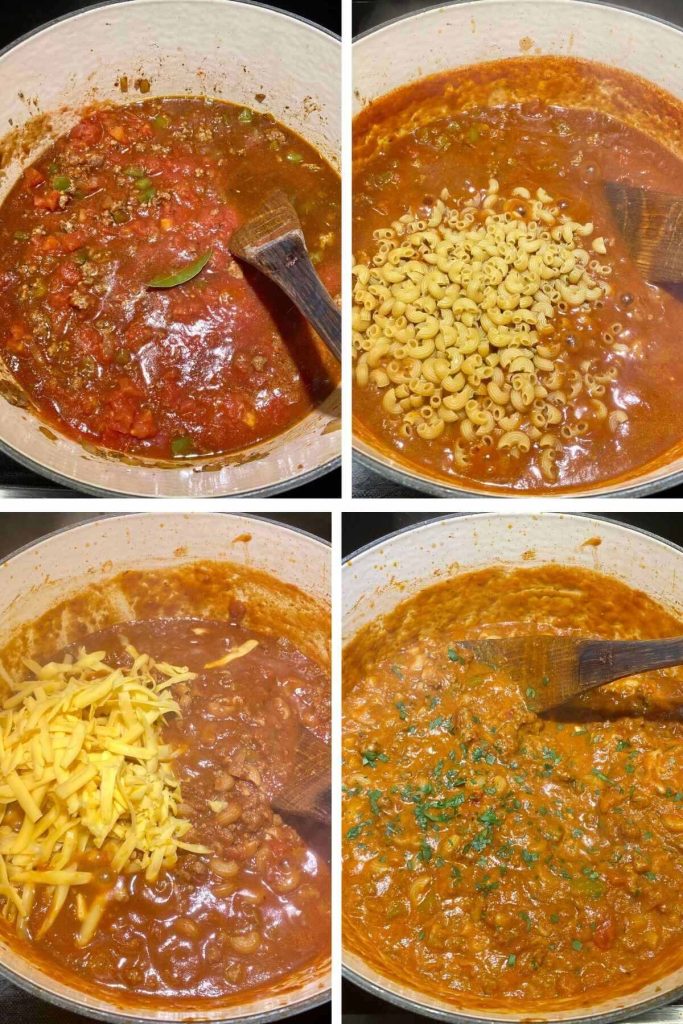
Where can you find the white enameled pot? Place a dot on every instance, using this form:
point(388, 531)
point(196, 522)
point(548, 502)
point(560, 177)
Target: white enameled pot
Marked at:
point(222, 48)
point(461, 34)
point(37, 578)
point(379, 577)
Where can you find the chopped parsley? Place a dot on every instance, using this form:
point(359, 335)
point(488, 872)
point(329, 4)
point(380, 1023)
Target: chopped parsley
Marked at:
point(357, 830)
point(371, 757)
point(604, 778)
point(373, 797)
point(425, 853)
point(551, 755)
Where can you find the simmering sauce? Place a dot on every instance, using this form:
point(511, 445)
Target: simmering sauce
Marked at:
point(493, 857)
point(147, 191)
point(564, 127)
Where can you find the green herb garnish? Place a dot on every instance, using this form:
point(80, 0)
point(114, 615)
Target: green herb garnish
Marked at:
point(357, 830)
point(604, 778)
point(371, 757)
point(373, 797)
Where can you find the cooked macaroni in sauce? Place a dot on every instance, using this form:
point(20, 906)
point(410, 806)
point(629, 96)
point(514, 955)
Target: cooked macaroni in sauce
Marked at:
point(492, 857)
point(502, 335)
point(141, 856)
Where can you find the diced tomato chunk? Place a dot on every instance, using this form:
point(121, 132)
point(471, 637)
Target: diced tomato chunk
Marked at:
point(33, 177)
point(605, 934)
point(69, 272)
point(138, 334)
point(47, 200)
point(87, 339)
point(126, 387)
point(16, 339)
point(144, 425)
point(87, 131)
point(117, 132)
point(72, 241)
point(121, 416)
point(50, 243)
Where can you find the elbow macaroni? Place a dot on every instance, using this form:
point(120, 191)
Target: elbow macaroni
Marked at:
point(453, 320)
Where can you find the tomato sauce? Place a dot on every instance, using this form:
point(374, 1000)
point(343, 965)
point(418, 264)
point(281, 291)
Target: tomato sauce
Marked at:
point(565, 126)
point(493, 858)
point(140, 192)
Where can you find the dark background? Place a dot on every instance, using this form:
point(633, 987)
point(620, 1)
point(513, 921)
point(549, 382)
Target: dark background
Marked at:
point(17, 18)
point(368, 14)
point(16, 530)
point(360, 528)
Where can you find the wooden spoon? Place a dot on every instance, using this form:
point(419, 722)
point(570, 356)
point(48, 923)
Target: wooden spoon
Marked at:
point(553, 669)
point(273, 242)
point(652, 225)
point(306, 793)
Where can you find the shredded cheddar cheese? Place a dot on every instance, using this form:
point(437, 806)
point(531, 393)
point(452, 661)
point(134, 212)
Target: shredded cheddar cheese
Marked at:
point(82, 763)
point(239, 652)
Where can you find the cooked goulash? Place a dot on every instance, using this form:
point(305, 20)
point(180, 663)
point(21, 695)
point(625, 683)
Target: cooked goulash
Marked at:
point(139, 851)
point(492, 857)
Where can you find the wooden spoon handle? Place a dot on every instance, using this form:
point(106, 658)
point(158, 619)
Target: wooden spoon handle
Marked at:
point(307, 792)
point(310, 798)
point(601, 661)
point(287, 262)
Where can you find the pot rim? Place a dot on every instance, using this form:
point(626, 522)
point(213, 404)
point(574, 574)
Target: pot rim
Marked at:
point(413, 1005)
point(113, 1016)
point(397, 474)
point(479, 4)
point(267, 491)
point(100, 491)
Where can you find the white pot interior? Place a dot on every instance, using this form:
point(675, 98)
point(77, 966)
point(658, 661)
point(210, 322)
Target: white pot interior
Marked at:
point(461, 34)
point(219, 48)
point(36, 581)
point(393, 570)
